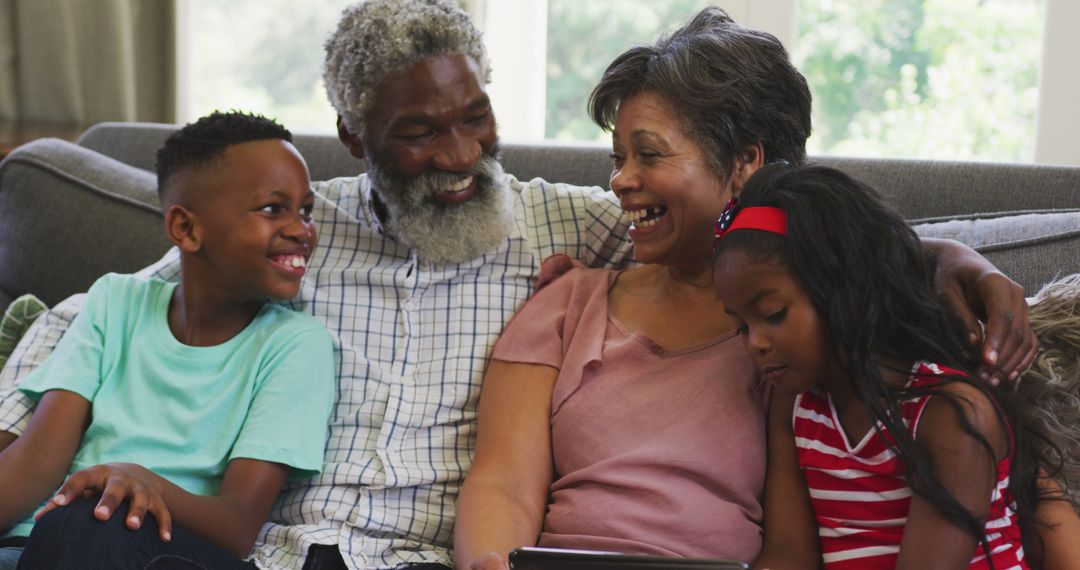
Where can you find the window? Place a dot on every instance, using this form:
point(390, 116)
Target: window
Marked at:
point(943, 79)
point(263, 56)
point(953, 79)
point(547, 55)
point(582, 39)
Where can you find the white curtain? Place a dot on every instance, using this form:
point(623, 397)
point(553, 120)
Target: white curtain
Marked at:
point(85, 61)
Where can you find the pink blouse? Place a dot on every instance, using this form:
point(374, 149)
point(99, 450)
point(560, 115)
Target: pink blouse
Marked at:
point(656, 451)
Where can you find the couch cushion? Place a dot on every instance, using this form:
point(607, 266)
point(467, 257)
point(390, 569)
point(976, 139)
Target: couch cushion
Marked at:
point(922, 188)
point(71, 215)
point(1033, 247)
point(134, 144)
point(584, 165)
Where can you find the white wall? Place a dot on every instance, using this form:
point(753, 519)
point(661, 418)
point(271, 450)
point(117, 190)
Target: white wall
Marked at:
point(518, 57)
point(1058, 126)
point(518, 53)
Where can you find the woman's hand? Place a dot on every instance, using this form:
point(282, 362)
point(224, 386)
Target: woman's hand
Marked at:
point(116, 482)
point(489, 561)
point(973, 290)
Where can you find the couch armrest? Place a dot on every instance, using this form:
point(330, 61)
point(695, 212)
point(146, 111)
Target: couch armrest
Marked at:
point(68, 215)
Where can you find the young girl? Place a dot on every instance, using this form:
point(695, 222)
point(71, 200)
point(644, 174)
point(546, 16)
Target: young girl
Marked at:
point(882, 452)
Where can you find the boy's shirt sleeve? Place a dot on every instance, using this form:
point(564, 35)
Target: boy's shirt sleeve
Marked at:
point(289, 414)
point(76, 363)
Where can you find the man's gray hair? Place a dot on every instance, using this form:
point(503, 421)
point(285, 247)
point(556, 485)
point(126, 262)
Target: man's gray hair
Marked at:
point(378, 38)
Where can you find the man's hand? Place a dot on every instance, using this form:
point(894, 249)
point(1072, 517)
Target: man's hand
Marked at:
point(116, 482)
point(974, 291)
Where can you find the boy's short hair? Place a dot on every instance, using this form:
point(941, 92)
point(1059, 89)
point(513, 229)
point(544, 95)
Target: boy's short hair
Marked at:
point(204, 142)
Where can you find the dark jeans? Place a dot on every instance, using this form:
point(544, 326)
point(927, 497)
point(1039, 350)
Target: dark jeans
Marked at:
point(70, 537)
point(326, 557)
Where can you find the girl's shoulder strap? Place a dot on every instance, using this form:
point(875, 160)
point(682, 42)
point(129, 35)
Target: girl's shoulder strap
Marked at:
point(924, 375)
point(929, 375)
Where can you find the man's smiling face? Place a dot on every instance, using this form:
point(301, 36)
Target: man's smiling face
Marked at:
point(434, 117)
point(430, 142)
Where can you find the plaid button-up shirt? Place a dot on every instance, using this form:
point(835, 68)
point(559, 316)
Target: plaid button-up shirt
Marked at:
point(412, 341)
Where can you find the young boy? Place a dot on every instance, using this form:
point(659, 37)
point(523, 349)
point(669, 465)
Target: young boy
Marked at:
point(210, 396)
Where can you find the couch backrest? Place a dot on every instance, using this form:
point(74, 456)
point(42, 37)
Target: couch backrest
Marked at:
point(137, 143)
point(918, 188)
point(68, 214)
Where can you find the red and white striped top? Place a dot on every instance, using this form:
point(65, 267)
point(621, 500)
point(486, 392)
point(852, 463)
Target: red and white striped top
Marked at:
point(859, 494)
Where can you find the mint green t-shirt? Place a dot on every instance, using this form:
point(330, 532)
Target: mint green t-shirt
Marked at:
point(182, 411)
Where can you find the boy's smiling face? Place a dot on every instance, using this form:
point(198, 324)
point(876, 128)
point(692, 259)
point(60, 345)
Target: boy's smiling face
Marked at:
point(252, 218)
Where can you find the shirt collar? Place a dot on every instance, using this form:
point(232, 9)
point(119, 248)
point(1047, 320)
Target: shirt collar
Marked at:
point(367, 206)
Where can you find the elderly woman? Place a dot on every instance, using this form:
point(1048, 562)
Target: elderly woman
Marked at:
point(620, 410)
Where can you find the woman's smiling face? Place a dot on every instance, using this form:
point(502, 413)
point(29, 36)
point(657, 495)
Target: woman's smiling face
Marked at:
point(664, 184)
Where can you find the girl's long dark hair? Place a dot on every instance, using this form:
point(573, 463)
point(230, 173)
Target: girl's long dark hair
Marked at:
point(864, 270)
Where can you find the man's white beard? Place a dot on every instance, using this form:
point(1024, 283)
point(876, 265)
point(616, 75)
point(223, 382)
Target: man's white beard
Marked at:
point(453, 233)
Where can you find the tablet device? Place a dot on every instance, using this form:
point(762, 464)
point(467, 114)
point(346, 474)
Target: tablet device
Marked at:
point(559, 559)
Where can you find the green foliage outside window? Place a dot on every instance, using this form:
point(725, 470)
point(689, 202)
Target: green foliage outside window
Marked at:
point(953, 79)
point(583, 37)
point(922, 78)
point(950, 79)
point(265, 57)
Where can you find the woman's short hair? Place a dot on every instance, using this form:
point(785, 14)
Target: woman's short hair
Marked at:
point(378, 38)
point(732, 87)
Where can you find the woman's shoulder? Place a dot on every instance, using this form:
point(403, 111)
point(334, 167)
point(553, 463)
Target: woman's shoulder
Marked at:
point(566, 290)
point(562, 271)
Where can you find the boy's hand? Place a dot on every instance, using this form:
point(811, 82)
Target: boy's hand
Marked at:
point(116, 482)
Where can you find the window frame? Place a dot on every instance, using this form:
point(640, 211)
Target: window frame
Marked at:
point(518, 58)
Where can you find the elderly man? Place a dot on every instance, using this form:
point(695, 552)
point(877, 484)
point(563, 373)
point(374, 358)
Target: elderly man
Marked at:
point(421, 263)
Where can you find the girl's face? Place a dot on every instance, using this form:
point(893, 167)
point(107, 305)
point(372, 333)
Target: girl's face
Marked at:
point(664, 184)
point(781, 329)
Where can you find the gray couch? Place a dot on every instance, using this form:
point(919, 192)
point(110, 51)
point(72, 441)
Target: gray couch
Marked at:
point(71, 212)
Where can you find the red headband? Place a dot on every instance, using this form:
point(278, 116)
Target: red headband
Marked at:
point(762, 218)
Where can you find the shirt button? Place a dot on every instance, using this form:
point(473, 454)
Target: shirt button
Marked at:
point(408, 306)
